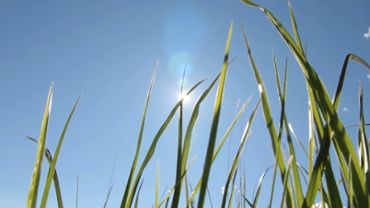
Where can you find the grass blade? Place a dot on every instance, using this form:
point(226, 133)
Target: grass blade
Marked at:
point(32, 193)
point(56, 154)
point(213, 134)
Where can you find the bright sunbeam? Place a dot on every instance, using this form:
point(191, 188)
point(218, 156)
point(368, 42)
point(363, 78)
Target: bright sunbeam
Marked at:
point(183, 96)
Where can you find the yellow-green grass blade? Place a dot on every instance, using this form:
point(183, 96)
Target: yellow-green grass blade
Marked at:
point(214, 127)
point(342, 142)
point(295, 28)
point(149, 154)
point(230, 204)
point(32, 193)
point(273, 183)
point(238, 154)
point(53, 163)
point(139, 140)
point(156, 187)
point(58, 191)
point(219, 146)
point(268, 119)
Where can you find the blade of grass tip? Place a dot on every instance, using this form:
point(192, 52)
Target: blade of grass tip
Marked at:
point(127, 203)
point(295, 28)
point(77, 187)
point(140, 137)
point(342, 75)
point(55, 159)
point(230, 204)
point(342, 142)
point(108, 195)
point(58, 191)
point(214, 127)
point(285, 182)
point(178, 180)
point(238, 154)
point(268, 118)
point(138, 195)
point(259, 186)
point(32, 193)
point(298, 139)
point(219, 146)
point(156, 186)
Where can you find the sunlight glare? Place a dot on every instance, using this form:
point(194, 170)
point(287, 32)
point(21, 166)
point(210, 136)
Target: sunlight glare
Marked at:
point(183, 96)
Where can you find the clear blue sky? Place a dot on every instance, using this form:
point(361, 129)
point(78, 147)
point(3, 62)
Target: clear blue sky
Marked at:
point(106, 51)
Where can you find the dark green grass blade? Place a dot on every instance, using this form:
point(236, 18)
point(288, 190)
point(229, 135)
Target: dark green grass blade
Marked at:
point(219, 146)
point(151, 150)
point(268, 119)
point(139, 140)
point(342, 75)
point(213, 134)
point(238, 154)
point(58, 191)
point(55, 159)
point(32, 193)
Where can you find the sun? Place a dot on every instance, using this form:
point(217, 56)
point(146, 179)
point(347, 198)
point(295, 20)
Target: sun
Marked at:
point(184, 97)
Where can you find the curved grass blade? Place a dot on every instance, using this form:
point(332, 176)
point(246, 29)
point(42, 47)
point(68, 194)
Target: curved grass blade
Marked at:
point(259, 186)
point(285, 181)
point(56, 155)
point(342, 142)
point(138, 195)
point(32, 193)
point(213, 133)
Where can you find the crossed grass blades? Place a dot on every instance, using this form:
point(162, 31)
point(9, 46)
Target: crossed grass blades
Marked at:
point(325, 130)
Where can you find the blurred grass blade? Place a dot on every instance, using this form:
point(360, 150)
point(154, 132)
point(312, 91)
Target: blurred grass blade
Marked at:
point(77, 190)
point(230, 204)
point(213, 133)
point(56, 155)
point(285, 182)
point(138, 195)
point(32, 193)
point(156, 187)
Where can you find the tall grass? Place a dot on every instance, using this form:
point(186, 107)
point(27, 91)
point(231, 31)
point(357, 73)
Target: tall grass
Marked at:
point(326, 131)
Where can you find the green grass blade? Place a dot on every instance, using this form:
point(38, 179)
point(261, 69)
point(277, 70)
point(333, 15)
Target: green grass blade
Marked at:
point(230, 204)
point(268, 119)
point(139, 140)
point(238, 154)
point(342, 75)
point(285, 182)
point(151, 150)
point(58, 191)
point(259, 186)
point(55, 159)
point(138, 195)
point(213, 134)
point(219, 146)
point(32, 193)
